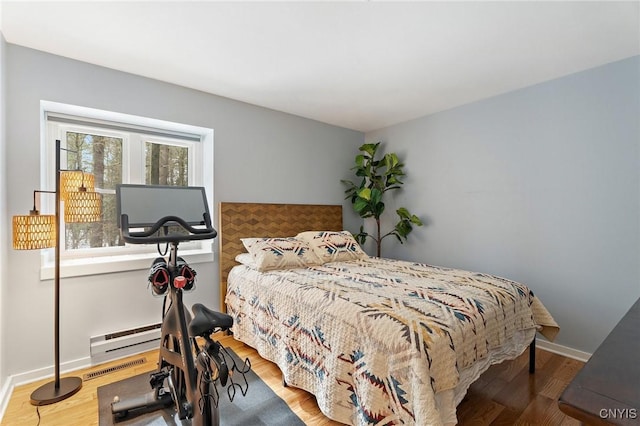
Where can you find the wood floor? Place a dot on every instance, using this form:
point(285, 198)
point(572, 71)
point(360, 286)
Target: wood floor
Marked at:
point(506, 394)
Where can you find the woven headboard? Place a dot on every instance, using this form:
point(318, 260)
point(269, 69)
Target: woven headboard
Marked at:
point(244, 220)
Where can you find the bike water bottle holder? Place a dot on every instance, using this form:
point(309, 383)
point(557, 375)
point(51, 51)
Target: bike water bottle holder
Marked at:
point(240, 383)
point(246, 366)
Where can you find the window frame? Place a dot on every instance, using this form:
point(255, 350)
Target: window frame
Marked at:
point(93, 261)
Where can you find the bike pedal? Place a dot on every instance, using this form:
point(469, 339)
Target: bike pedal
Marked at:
point(157, 379)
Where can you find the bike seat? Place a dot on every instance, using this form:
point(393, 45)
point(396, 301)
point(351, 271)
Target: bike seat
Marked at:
point(205, 321)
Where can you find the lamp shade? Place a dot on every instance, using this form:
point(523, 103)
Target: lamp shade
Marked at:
point(34, 231)
point(83, 206)
point(71, 181)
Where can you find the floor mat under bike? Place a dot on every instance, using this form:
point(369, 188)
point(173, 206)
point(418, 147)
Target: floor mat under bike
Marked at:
point(260, 406)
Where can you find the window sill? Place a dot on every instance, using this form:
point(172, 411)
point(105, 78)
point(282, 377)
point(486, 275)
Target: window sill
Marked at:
point(112, 264)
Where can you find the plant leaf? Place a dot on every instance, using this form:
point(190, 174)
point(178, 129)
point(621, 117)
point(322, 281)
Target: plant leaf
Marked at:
point(378, 209)
point(403, 213)
point(376, 195)
point(365, 193)
point(370, 148)
point(360, 205)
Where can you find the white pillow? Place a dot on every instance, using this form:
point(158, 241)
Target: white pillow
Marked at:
point(246, 259)
point(280, 253)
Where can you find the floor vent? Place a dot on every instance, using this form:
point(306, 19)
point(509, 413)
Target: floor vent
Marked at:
point(109, 370)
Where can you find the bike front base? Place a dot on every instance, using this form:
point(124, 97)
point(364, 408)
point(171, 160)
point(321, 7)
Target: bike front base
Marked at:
point(162, 396)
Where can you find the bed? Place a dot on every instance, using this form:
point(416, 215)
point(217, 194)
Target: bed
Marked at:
point(377, 341)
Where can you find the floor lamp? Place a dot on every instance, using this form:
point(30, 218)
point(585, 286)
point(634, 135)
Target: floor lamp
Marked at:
point(36, 231)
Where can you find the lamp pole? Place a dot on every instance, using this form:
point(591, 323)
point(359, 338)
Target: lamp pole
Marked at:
point(59, 389)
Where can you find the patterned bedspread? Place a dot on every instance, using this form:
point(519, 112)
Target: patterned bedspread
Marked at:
point(376, 340)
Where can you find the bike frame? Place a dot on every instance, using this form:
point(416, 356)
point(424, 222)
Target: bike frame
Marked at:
point(174, 329)
point(176, 360)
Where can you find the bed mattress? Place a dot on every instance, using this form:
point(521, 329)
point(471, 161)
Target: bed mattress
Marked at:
point(381, 341)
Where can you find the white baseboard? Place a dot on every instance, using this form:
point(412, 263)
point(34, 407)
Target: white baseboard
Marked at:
point(79, 364)
point(563, 350)
point(5, 396)
point(47, 372)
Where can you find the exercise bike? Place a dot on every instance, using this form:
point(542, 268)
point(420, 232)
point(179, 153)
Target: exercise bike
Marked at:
point(191, 364)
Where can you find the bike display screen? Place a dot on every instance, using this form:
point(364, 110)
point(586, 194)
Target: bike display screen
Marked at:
point(147, 204)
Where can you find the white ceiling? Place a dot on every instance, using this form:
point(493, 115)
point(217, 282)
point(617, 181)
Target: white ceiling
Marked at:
point(360, 65)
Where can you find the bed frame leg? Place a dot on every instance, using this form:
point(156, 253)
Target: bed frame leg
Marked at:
point(532, 356)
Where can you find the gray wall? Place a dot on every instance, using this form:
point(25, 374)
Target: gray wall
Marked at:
point(3, 213)
point(260, 155)
point(540, 185)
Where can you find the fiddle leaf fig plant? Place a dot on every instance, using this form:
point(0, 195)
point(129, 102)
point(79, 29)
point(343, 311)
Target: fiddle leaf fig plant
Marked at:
point(377, 177)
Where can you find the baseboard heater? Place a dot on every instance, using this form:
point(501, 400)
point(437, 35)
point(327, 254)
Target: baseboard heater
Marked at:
point(123, 343)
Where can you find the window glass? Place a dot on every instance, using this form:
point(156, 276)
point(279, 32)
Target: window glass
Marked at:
point(101, 156)
point(166, 164)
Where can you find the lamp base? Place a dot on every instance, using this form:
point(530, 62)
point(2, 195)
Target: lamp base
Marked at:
point(48, 394)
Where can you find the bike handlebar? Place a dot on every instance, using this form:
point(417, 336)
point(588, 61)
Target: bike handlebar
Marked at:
point(148, 237)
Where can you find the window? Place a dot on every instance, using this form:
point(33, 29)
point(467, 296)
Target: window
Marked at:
point(121, 149)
